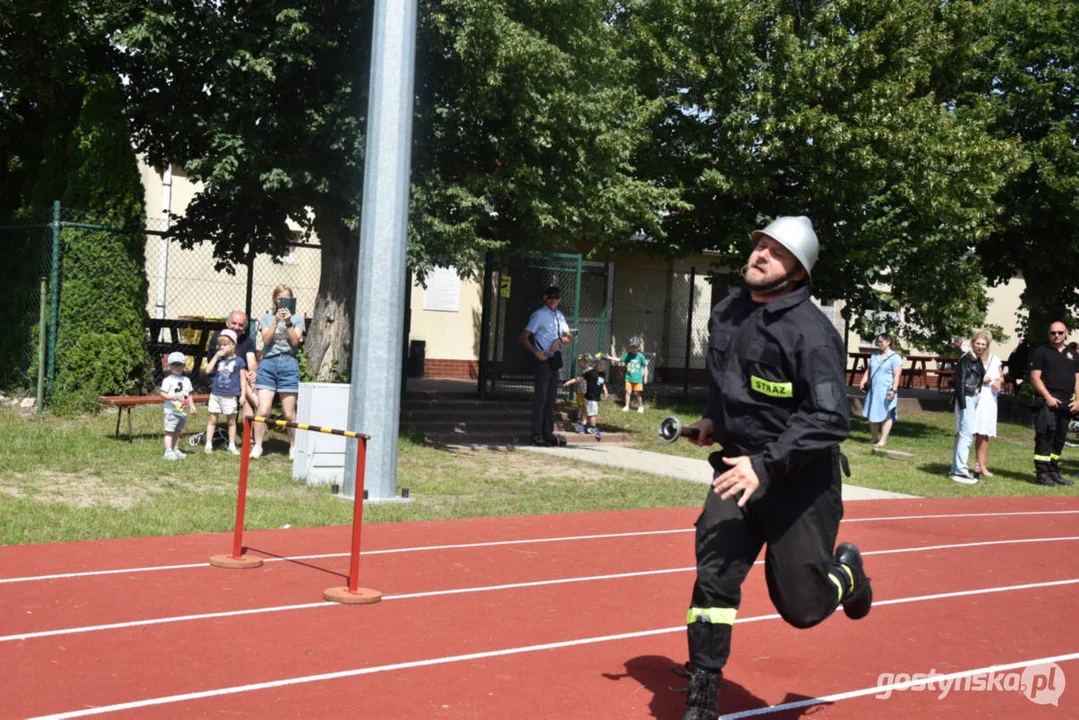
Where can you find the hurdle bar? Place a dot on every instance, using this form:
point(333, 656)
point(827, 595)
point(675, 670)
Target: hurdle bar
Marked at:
point(351, 594)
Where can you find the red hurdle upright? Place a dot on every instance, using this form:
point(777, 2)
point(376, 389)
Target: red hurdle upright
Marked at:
point(237, 559)
point(352, 594)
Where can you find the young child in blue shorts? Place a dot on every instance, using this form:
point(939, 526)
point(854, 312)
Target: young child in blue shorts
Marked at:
point(176, 391)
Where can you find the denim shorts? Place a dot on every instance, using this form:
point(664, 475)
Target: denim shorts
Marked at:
point(280, 373)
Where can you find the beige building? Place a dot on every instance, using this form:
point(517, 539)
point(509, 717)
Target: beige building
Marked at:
point(627, 294)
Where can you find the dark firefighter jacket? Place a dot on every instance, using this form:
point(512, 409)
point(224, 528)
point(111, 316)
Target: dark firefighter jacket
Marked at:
point(778, 385)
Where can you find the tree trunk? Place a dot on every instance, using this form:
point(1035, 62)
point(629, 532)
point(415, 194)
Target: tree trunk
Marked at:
point(329, 339)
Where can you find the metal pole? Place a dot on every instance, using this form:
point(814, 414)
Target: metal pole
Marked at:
point(498, 363)
point(41, 346)
point(576, 318)
point(250, 284)
point(54, 282)
point(163, 243)
point(485, 325)
point(374, 402)
point(689, 332)
point(406, 333)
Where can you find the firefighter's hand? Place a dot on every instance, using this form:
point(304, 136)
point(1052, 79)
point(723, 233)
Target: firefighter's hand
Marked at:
point(740, 478)
point(704, 435)
point(1074, 407)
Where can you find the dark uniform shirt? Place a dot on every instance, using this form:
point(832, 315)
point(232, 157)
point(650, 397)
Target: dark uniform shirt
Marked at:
point(1058, 368)
point(778, 382)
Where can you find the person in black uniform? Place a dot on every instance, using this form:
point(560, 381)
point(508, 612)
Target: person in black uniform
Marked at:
point(778, 407)
point(1054, 375)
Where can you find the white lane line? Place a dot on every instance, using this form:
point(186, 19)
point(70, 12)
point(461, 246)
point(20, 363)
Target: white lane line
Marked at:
point(877, 689)
point(503, 543)
point(467, 590)
point(237, 689)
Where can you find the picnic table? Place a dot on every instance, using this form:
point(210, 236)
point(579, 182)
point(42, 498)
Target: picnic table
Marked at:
point(943, 369)
point(168, 335)
point(860, 364)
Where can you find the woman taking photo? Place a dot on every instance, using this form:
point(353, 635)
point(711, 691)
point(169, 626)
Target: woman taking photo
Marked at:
point(881, 403)
point(969, 375)
point(279, 369)
point(985, 417)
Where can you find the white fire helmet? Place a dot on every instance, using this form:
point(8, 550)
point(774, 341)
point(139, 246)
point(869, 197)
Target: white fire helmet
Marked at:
point(796, 234)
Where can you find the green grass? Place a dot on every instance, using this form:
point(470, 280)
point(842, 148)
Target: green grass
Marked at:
point(69, 478)
point(928, 436)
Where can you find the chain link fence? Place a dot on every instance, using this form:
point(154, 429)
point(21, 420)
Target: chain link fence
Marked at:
point(666, 303)
point(183, 282)
point(187, 295)
point(517, 285)
point(25, 297)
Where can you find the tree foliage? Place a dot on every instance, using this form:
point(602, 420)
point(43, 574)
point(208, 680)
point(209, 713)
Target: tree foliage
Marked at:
point(846, 112)
point(101, 337)
point(48, 48)
point(524, 132)
point(1034, 71)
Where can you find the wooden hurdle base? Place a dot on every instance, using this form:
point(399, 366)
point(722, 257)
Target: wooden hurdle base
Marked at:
point(244, 562)
point(362, 596)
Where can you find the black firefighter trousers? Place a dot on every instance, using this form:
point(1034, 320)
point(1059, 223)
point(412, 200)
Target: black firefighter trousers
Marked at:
point(797, 517)
point(1050, 433)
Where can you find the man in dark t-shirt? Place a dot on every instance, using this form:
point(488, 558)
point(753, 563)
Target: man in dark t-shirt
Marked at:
point(245, 348)
point(1054, 375)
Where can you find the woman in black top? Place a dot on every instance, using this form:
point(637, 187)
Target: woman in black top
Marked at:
point(969, 373)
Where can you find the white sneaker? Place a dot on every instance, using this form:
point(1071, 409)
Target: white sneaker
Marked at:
point(208, 449)
point(291, 453)
point(640, 409)
point(170, 456)
point(233, 450)
point(625, 409)
point(180, 454)
point(256, 451)
point(965, 479)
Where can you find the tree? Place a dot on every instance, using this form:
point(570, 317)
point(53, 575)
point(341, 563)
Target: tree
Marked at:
point(846, 112)
point(41, 89)
point(522, 136)
point(1034, 71)
point(101, 338)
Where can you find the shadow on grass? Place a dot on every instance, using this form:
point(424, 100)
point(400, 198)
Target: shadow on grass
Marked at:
point(414, 437)
point(664, 678)
point(936, 468)
point(127, 439)
point(909, 430)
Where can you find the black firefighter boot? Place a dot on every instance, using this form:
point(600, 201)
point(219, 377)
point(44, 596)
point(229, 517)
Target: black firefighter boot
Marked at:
point(1055, 476)
point(701, 695)
point(858, 597)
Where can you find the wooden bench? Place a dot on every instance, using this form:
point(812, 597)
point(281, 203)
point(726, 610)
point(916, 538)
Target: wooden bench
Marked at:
point(130, 401)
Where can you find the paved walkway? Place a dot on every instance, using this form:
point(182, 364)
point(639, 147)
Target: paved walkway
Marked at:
point(674, 466)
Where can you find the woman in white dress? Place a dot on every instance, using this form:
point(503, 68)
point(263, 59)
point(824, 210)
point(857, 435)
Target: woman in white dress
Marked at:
point(985, 417)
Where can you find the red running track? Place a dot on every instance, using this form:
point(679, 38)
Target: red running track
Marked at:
point(570, 616)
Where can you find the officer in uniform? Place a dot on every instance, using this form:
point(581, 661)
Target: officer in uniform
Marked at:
point(1054, 377)
point(778, 407)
